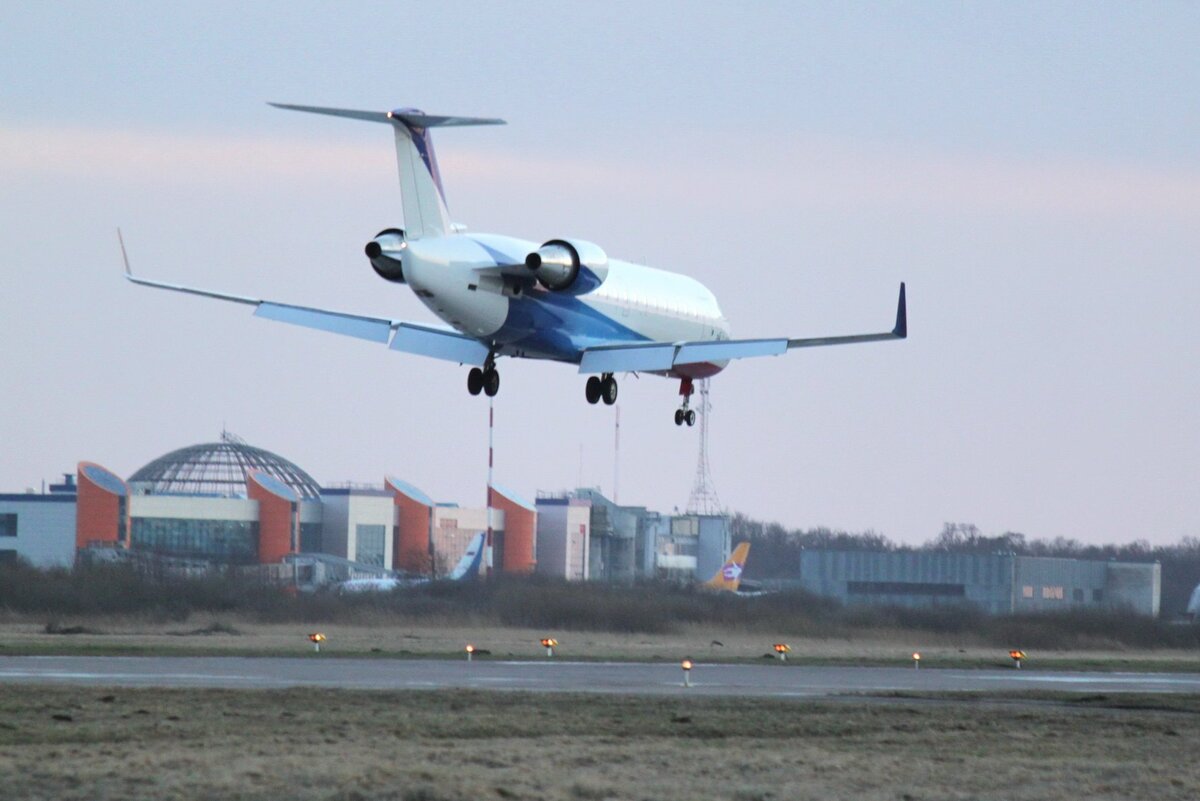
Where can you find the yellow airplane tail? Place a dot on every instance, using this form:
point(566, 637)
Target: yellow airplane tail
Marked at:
point(730, 574)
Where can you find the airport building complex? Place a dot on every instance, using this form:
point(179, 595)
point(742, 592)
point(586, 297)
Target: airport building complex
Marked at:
point(230, 503)
point(1000, 583)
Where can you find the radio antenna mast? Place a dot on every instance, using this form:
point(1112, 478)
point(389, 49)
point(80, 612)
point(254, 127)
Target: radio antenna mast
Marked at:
point(704, 498)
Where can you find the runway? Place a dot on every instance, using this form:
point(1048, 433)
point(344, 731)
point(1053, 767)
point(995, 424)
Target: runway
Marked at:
point(766, 680)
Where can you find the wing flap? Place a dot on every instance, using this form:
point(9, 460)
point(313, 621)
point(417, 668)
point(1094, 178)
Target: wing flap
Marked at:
point(628, 358)
point(373, 329)
point(661, 356)
point(698, 352)
point(439, 344)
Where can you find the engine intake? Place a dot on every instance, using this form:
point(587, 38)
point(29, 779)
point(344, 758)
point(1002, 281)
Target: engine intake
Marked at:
point(385, 252)
point(569, 265)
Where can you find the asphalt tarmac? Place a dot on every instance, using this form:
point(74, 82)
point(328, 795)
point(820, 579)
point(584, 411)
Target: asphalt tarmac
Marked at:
point(551, 675)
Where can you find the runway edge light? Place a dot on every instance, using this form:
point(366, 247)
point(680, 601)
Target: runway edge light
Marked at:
point(548, 643)
point(782, 649)
point(687, 671)
point(316, 638)
point(1017, 656)
point(470, 651)
point(916, 660)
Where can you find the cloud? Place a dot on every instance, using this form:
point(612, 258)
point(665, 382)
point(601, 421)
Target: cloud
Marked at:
point(797, 174)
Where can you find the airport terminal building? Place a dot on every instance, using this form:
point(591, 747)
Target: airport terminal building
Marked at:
point(232, 504)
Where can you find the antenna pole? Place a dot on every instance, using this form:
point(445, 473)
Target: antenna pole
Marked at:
point(704, 498)
point(616, 452)
point(491, 461)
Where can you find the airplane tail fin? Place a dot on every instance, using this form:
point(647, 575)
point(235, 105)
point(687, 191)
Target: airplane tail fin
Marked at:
point(421, 193)
point(468, 567)
point(730, 575)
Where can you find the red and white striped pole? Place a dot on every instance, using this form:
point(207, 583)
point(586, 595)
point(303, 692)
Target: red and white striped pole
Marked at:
point(491, 462)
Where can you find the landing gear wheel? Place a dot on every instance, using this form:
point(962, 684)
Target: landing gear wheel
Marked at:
point(475, 381)
point(592, 389)
point(608, 390)
point(690, 417)
point(491, 382)
point(679, 415)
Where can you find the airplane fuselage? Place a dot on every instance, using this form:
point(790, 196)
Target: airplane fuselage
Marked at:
point(458, 277)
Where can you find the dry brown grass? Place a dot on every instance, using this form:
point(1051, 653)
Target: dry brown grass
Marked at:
point(67, 743)
point(132, 635)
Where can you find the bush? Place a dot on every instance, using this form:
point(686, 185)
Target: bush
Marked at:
point(541, 603)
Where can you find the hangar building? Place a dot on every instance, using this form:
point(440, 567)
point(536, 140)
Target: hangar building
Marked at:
point(1000, 583)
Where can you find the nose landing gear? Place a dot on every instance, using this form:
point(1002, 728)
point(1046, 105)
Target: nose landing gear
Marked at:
point(603, 387)
point(486, 380)
point(683, 414)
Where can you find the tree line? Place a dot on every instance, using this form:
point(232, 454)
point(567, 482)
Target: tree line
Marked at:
point(775, 551)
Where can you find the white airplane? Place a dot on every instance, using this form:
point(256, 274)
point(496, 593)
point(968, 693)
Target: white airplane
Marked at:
point(563, 300)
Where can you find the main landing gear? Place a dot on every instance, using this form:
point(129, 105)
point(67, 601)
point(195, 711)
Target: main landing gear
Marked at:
point(683, 414)
point(486, 380)
point(603, 387)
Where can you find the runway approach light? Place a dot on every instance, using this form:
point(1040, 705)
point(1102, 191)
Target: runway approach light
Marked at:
point(1017, 656)
point(782, 649)
point(316, 639)
point(470, 651)
point(916, 660)
point(687, 672)
point(548, 643)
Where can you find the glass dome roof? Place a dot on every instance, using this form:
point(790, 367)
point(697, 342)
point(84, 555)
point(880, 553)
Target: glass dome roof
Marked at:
point(218, 469)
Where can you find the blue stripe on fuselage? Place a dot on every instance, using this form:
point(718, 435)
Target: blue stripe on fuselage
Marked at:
point(557, 326)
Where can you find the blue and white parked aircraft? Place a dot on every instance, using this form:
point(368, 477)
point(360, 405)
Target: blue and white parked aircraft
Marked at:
point(563, 300)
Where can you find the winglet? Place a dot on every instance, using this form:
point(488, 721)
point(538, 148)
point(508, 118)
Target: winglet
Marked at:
point(124, 255)
point(901, 329)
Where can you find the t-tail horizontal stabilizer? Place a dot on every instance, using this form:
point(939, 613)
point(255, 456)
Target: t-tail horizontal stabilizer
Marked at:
point(421, 192)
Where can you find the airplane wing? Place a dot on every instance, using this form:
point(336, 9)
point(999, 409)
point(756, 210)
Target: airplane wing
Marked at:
point(661, 356)
point(423, 340)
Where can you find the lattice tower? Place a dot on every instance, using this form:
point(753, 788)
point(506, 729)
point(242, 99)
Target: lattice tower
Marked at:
point(704, 498)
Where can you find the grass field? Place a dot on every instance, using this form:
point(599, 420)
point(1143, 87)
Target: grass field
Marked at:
point(67, 743)
point(115, 635)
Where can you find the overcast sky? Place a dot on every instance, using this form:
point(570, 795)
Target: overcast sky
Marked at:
point(1031, 170)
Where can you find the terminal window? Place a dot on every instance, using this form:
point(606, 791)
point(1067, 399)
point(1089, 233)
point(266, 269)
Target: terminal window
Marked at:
point(1053, 593)
point(1027, 591)
point(8, 525)
point(369, 544)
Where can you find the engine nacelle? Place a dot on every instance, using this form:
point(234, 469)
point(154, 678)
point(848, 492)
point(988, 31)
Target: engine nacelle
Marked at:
point(569, 265)
point(386, 252)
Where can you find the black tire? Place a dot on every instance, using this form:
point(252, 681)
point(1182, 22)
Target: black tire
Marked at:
point(592, 390)
point(691, 417)
point(475, 381)
point(679, 417)
point(491, 382)
point(608, 390)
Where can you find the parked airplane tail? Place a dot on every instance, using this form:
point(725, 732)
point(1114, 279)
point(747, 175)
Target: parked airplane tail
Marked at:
point(424, 201)
point(730, 575)
point(467, 568)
